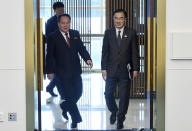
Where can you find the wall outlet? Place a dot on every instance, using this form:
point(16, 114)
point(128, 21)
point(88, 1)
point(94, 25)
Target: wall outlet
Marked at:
point(12, 116)
point(1, 117)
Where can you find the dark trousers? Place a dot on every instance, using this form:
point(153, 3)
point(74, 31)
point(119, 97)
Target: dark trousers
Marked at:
point(124, 85)
point(55, 82)
point(71, 90)
point(51, 85)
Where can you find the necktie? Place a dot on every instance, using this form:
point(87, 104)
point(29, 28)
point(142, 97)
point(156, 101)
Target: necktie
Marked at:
point(68, 40)
point(119, 38)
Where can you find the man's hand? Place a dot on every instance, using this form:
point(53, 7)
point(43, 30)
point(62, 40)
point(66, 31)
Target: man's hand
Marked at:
point(50, 76)
point(104, 74)
point(135, 73)
point(89, 62)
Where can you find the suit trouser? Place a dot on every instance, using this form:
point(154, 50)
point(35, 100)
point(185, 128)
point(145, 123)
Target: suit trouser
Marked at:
point(124, 94)
point(55, 82)
point(51, 85)
point(71, 90)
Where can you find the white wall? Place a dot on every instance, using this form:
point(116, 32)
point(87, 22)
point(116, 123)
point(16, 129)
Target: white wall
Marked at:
point(12, 64)
point(178, 100)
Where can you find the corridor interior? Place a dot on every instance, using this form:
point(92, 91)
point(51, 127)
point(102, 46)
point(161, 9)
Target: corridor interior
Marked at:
point(92, 107)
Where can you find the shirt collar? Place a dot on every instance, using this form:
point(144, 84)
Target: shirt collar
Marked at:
point(117, 30)
point(122, 29)
point(63, 33)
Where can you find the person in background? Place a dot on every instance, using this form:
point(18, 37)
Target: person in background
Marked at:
point(52, 26)
point(119, 50)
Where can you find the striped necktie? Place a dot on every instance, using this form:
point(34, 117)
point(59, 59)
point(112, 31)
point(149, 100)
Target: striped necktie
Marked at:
point(68, 40)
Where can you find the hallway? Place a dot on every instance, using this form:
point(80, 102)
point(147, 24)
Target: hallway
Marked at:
point(92, 107)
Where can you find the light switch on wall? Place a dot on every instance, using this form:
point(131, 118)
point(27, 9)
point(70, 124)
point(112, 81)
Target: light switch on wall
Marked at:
point(1, 117)
point(12, 116)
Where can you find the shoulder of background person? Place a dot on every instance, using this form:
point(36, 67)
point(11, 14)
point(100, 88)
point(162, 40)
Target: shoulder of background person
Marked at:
point(74, 32)
point(54, 34)
point(52, 18)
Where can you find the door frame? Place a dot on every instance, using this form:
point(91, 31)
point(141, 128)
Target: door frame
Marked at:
point(29, 63)
point(161, 48)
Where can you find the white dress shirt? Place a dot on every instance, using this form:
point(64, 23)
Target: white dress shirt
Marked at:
point(63, 33)
point(117, 32)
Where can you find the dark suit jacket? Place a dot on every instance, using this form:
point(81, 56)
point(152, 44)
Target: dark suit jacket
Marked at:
point(61, 59)
point(51, 25)
point(115, 58)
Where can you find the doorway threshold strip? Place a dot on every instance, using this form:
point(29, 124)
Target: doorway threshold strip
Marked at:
point(90, 130)
point(134, 129)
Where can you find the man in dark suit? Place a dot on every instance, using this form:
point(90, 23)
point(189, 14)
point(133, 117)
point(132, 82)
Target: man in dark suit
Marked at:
point(52, 26)
point(64, 47)
point(119, 49)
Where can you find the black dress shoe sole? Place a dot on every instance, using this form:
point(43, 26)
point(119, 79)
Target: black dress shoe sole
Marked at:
point(120, 126)
point(73, 126)
point(112, 118)
point(112, 122)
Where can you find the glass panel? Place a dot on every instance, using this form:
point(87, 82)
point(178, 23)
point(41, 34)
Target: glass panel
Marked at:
point(45, 12)
point(96, 3)
point(141, 51)
point(141, 17)
point(96, 48)
point(98, 24)
point(97, 16)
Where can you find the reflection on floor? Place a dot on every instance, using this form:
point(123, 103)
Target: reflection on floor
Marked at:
point(92, 107)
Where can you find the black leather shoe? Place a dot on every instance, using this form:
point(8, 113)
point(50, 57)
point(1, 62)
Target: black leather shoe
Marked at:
point(65, 115)
point(113, 118)
point(73, 125)
point(120, 125)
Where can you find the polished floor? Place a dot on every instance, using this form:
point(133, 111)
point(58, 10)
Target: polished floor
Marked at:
point(93, 109)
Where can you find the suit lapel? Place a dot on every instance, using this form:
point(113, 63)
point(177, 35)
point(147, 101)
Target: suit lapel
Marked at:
point(114, 37)
point(124, 36)
point(61, 38)
point(125, 33)
point(71, 34)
